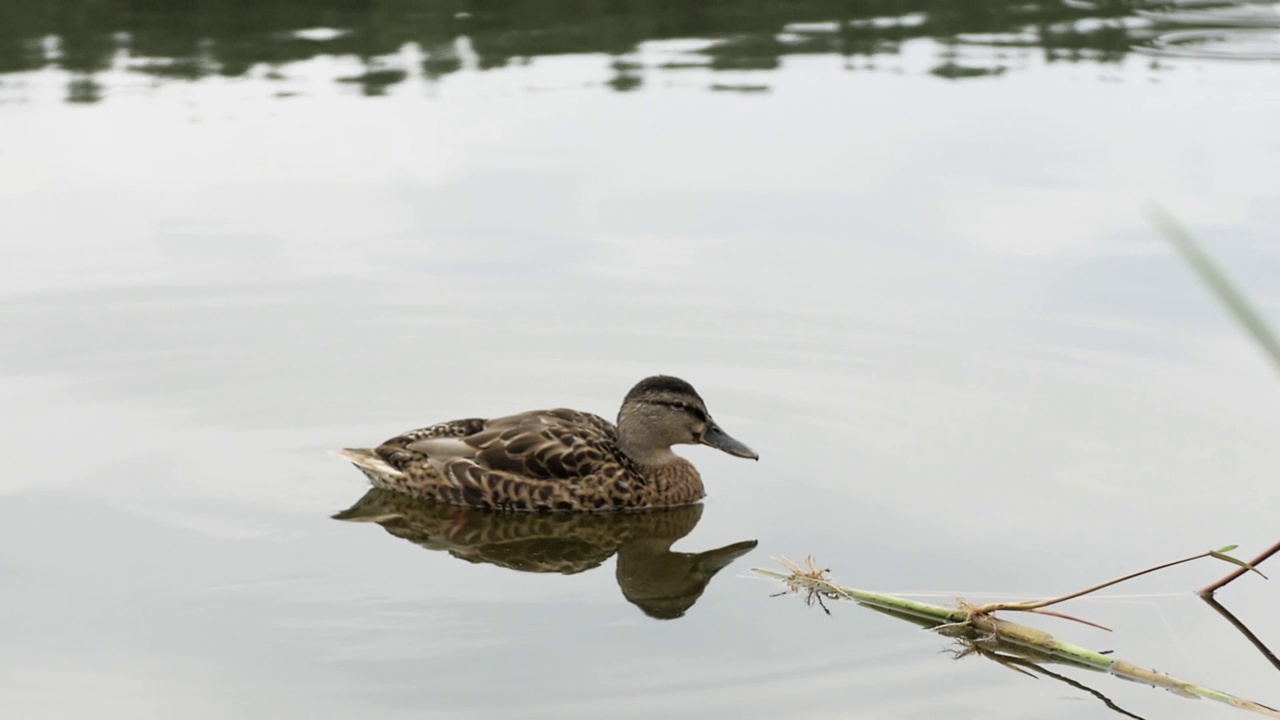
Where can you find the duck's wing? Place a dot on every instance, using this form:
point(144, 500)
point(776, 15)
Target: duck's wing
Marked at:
point(541, 445)
point(399, 451)
point(532, 461)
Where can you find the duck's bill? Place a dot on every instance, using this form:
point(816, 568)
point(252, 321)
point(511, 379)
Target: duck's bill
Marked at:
point(720, 440)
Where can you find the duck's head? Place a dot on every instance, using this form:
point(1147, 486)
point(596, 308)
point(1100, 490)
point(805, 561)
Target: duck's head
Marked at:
point(662, 411)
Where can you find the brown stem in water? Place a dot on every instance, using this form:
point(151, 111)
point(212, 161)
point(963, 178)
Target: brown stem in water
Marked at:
point(1081, 686)
point(1244, 630)
point(1211, 589)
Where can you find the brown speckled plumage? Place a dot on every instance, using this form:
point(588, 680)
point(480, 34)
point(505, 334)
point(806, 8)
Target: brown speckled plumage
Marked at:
point(557, 460)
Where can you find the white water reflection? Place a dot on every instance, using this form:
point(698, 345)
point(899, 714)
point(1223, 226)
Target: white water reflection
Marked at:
point(1215, 30)
point(1220, 44)
point(1249, 15)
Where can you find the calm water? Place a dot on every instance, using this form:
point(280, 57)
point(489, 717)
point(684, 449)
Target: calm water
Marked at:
point(898, 247)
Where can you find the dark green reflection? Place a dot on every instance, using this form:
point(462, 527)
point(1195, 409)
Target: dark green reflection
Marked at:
point(661, 582)
point(186, 40)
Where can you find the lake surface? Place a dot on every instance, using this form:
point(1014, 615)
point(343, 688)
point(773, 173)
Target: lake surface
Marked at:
point(899, 248)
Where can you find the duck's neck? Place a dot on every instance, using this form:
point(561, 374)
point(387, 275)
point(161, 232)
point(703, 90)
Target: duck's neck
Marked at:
point(642, 443)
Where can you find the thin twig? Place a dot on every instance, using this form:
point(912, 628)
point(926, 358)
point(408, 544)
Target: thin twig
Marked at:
point(1026, 605)
point(1072, 618)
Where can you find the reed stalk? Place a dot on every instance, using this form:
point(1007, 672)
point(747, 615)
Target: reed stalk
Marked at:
point(813, 582)
point(1235, 303)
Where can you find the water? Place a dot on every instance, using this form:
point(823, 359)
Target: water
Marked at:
point(899, 250)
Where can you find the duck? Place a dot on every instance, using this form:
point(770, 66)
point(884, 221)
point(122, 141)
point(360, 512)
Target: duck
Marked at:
point(558, 460)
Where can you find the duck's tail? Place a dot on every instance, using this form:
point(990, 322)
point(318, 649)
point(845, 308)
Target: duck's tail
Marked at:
point(380, 473)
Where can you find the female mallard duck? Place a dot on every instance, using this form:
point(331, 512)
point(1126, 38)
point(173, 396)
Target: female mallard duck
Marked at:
point(558, 460)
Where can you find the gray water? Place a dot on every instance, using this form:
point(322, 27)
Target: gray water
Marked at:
point(899, 250)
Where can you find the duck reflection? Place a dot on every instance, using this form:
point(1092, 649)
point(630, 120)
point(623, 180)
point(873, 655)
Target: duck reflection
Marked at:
point(660, 581)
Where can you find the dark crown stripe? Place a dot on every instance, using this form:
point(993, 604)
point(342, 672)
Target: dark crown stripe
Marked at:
point(693, 410)
point(661, 385)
